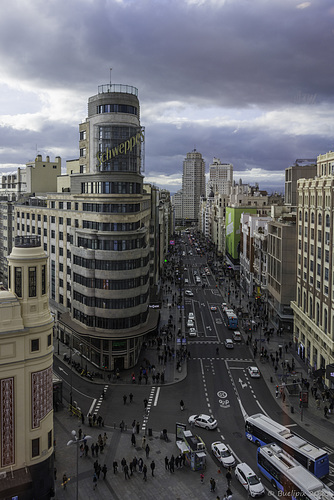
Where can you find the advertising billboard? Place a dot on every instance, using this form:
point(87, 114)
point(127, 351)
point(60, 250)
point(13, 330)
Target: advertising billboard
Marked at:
point(233, 216)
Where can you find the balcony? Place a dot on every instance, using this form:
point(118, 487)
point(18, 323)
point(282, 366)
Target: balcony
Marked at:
point(117, 87)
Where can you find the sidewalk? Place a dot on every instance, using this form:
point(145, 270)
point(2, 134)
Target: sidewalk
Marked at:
point(311, 418)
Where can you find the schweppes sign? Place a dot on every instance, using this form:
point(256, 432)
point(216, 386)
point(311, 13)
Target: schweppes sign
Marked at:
point(123, 148)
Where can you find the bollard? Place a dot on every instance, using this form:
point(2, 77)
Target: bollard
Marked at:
point(150, 432)
point(271, 380)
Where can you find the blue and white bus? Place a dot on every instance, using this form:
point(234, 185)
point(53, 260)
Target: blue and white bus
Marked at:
point(288, 476)
point(230, 319)
point(262, 430)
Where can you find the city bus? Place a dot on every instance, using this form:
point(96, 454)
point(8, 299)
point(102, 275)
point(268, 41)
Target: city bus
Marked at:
point(230, 319)
point(287, 475)
point(262, 430)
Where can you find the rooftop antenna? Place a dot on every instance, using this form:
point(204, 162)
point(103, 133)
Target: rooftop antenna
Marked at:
point(110, 76)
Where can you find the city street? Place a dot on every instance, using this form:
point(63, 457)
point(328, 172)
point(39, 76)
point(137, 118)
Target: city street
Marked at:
point(212, 379)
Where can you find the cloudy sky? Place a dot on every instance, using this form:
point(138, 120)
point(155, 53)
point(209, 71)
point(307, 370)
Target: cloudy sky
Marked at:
point(248, 81)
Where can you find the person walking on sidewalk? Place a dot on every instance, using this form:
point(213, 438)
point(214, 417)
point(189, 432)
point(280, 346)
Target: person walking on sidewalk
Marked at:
point(229, 477)
point(145, 472)
point(147, 450)
point(104, 471)
point(152, 467)
point(182, 405)
point(94, 481)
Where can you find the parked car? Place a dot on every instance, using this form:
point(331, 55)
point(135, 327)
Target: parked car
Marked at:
point(192, 332)
point(190, 323)
point(253, 371)
point(191, 315)
point(229, 344)
point(186, 280)
point(249, 480)
point(189, 293)
point(202, 420)
point(223, 453)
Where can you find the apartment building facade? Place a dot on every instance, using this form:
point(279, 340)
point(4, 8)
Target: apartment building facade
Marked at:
point(101, 232)
point(313, 305)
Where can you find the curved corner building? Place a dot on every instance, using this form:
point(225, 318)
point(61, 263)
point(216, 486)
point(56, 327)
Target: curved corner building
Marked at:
point(110, 251)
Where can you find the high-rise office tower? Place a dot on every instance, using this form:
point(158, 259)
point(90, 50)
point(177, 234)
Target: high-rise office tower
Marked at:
point(220, 177)
point(97, 231)
point(193, 185)
point(26, 392)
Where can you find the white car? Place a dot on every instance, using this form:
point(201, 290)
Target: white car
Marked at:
point(192, 332)
point(222, 452)
point(191, 315)
point(190, 323)
point(186, 280)
point(229, 344)
point(189, 293)
point(249, 480)
point(236, 336)
point(202, 420)
point(253, 372)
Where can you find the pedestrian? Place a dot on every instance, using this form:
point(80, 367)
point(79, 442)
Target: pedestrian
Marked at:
point(147, 450)
point(133, 439)
point(126, 471)
point(122, 425)
point(143, 442)
point(166, 463)
point(152, 467)
point(82, 418)
point(65, 479)
point(131, 468)
point(229, 477)
point(229, 494)
point(123, 463)
point(104, 471)
point(97, 450)
point(137, 427)
point(140, 465)
point(80, 433)
point(131, 397)
point(94, 481)
point(125, 398)
point(171, 463)
point(98, 471)
point(105, 437)
point(325, 411)
point(202, 477)
point(115, 466)
point(145, 473)
point(93, 449)
point(182, 405)
point(277, 392)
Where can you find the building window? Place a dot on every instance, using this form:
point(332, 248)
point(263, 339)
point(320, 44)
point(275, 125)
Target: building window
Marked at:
point(319, 219)
point(18, 281)
point(49, 440)
point(32, 282)
point(61, 205)
point(35, 447)
point(34, 345)
point(49, 340)
point(69, 205)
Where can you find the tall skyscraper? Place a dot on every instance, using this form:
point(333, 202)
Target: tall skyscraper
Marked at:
point(26, 392)
point(193, 185)
point(220, 177)
point(99, 230)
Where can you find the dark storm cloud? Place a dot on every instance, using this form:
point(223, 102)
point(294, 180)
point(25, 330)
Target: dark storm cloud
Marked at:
point(266, 55)
point(238, 54)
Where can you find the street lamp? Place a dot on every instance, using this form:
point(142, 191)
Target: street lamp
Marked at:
point(77, 442)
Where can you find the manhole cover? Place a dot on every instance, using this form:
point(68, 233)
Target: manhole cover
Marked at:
point(237, 434)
